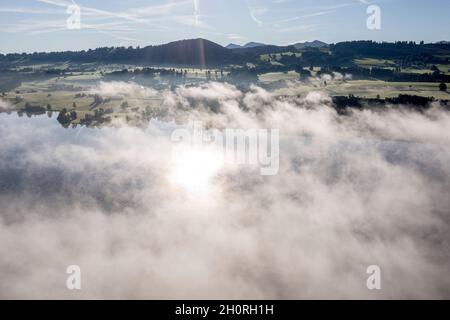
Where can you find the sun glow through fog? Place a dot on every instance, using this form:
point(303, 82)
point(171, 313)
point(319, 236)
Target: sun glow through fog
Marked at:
point(194, 169)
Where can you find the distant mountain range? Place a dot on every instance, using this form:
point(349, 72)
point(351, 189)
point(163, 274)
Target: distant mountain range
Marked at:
point(246, 46)
point(300, 45)
point(313, 44)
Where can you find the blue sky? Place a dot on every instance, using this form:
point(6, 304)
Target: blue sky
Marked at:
point(40, 25)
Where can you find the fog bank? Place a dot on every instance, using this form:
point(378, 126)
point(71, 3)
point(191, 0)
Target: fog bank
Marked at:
point(366, 189)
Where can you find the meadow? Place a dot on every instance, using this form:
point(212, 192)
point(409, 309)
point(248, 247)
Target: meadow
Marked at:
point(74, 89)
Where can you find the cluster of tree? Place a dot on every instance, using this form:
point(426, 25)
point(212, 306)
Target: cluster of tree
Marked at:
point(304, 72)
point(404, 54)
point(66, 117)
point(172, 73)
point(98, 100)
point(99, 116)
point(251, 53)
point(404, 50)
point(149, 72)
point(341, 103)
point(391, 75)
point(30, 109)
point(162, 72)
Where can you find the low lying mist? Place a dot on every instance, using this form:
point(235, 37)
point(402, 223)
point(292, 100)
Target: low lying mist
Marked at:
point(4, 106)
point(121, 89)
point(368, 188)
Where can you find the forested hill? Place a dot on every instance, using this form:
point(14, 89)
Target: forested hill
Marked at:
point(201, 52)
point(389, 50)
point(197, 52)
point(194, 52)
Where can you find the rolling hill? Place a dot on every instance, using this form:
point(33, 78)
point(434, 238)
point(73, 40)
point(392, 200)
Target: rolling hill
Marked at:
point(246, 46)
point(312, 44)
point(193, 52)
point(197, 52)
point(205, 53)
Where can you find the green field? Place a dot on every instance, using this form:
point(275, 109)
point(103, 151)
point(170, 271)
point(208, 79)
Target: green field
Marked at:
point(277, 76)
point(73, 90)
point(41, 93)
point(369, 89)
point(368, 62)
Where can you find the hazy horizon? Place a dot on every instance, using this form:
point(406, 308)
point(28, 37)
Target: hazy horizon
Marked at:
point(223, 45)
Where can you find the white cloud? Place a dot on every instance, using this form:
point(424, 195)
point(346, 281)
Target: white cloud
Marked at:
point(255, 12)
